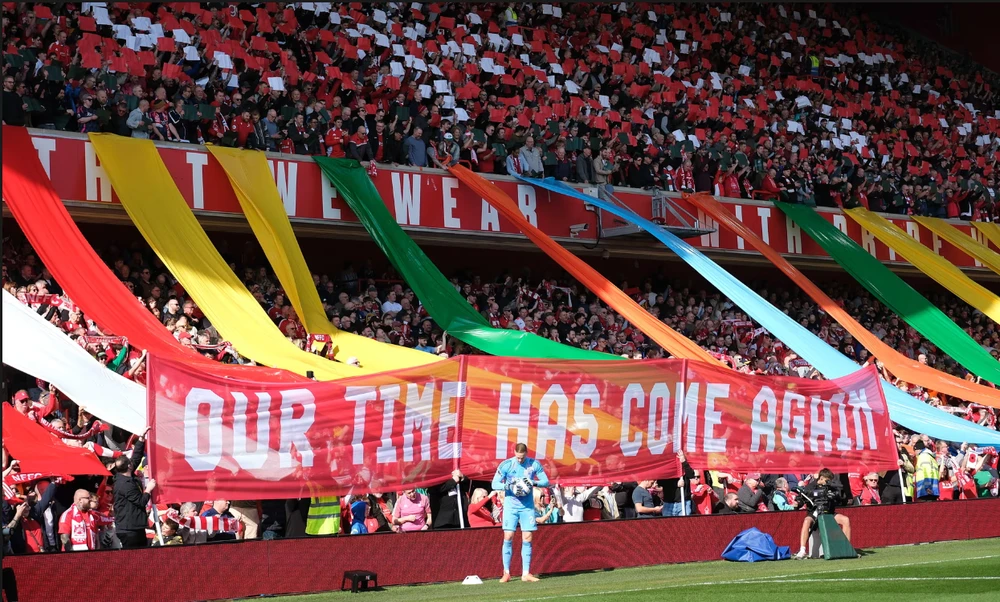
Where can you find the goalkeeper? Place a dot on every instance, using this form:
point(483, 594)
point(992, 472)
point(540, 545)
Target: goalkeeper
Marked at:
point(517, 477)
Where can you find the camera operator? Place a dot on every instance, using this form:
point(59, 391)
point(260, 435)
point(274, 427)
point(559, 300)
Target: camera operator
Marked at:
point(820, 497)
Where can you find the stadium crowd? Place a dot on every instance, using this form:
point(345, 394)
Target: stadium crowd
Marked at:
point(377, 304)
point(812, 104)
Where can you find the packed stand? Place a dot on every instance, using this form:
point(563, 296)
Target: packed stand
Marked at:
point(378, 305)
point(810, 104)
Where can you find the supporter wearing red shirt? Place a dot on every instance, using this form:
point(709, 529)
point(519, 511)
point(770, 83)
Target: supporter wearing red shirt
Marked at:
point(291, 327)
point(684, 177)
point(729, 184)
point(78, 525)
point(703, 497)
point(243, 126)
point(335, 138)
point(62, 52)
point(479, 514)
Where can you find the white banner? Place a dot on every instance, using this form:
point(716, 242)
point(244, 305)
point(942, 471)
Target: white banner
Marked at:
point(35, 347)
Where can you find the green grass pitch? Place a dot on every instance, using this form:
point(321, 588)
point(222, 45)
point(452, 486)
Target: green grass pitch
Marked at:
point(967, 570)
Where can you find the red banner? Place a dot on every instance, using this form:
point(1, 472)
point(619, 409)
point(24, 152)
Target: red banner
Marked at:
point(431, 199)
point(586, 422)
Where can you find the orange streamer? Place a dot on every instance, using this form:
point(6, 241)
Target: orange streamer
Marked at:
point(903, 367)
point(675, 343)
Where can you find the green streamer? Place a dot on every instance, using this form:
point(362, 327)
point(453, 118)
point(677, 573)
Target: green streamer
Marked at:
point(438, 295)
point(895, 294)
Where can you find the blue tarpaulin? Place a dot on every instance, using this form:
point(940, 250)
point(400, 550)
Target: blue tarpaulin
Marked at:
point(754, 545)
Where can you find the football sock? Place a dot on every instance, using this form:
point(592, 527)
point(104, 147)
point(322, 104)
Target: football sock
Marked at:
point(526, 557)
point(508, 551)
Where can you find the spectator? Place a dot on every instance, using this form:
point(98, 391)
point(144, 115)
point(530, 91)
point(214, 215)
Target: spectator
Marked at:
point(585, 171)
point(530, 159)
point(572, 500)
point(645, 505)
point(139, 121)
point(298, 134)
point(479, 514)
point(870, 495)
point(130, 498)
point(730, 504)
point(415, 148)
point(447, 152)
point(750, 494)
point(703, 497)
point(86, 118)
point(14, 106)
point(221, 509)
point(677, 492)
point(359, 148)
point(452, 510)
point(78, 526)
point(781, 497)
point(412, 512)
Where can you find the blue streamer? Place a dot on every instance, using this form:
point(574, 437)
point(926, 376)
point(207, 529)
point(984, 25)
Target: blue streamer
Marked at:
point(903, 409)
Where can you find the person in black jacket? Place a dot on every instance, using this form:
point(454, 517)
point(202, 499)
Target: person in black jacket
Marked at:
point(674, 490)
point(451, 511)
point(130, 498)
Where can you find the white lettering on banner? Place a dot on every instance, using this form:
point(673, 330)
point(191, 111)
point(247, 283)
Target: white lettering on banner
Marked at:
point(447, 449)
point(794, 236)
point(527, 203)
point(844, 442)
point(417, 417)
point(361, 396)
point(760, 426)
point(765, 416)
point(94, 173)
point(285, 175)
point(633, 395)
point(293, 429)
point(250, 460)
point(820, 427)
point(508, 421)
point(197, 459)
point(690, 401)
point(738, 209)
point(491, 219)
point(840, 222)
point(197, 161)
point(713, 418)
point(937, 244)
point(712, 238)
point(328, 193)
point(586, 395)
point(912, 229)
point(386, 452)
point(406, 198)
point(858, 400)
point(549, 432)
point(790, 422)
point(765, 226)
point(450, 203)
point(868, 242)
point(44, 146)
point(658, 432)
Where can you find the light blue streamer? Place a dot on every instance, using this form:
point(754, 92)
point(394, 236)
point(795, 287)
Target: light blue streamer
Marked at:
point(903, 409)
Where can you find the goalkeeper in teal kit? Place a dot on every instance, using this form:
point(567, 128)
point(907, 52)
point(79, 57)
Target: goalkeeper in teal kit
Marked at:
point(517, 477)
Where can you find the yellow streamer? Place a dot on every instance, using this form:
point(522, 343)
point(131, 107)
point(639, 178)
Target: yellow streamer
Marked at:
point(967, 244)
point(258, 195)
point(152, 200)
point(990, 231)
point(928, 262)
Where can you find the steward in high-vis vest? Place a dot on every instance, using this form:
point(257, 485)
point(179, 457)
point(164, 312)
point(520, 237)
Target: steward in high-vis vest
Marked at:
point(324, 514)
